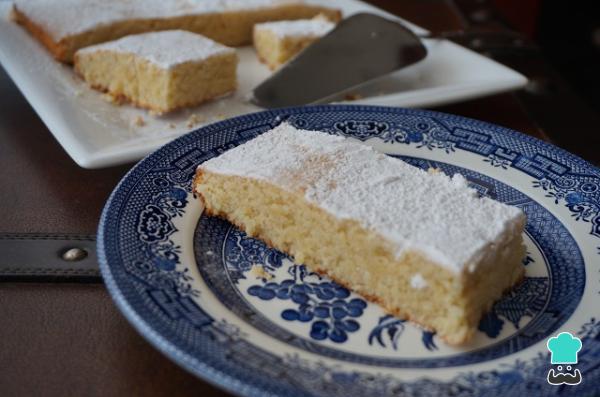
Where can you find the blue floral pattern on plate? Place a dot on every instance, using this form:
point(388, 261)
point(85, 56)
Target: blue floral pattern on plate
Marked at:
point(304, 299)
point(148, 253)
point(324, 303)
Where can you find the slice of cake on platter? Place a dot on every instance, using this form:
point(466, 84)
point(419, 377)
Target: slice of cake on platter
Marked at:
point(423, 245)
point(277, 42)
point(64, 26)
point(160, 71)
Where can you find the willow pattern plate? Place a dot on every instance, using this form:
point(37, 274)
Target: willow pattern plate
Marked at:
point(188, 282)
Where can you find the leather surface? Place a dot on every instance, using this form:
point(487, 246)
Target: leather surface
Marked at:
point(70, 340)
point(35, 256)
point(42, 189)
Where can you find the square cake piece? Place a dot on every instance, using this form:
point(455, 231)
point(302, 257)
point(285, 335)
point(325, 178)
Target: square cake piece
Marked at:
point(277, 42)
point(160, 71)
point(65, 26)
point(423, 245)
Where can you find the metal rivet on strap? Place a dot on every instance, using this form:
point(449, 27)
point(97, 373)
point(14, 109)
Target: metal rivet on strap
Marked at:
point(74, 254)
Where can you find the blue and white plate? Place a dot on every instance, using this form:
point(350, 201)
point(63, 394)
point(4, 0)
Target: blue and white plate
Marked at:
point(247, 318)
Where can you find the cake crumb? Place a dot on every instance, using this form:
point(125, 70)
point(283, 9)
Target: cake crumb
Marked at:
point(323, 17)
point(433, 171)
point(12, 15)
point(352, 96)
point(259, 271)
point(172, 125)
point(194, 120)
point(118, 101)
point(139, 121)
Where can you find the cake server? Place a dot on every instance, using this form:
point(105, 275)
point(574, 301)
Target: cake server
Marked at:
point(361, 48)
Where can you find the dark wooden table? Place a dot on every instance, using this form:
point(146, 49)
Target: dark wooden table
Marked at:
point(67, 338)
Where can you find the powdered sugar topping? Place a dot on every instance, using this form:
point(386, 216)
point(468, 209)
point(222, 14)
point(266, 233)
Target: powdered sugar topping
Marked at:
point(165, 49)
point(316, 27)
point(417, 281)
point(439, 216)
point(61, 18)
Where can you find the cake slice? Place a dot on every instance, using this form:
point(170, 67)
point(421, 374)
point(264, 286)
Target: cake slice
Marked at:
point(423, 245)
point(277, 42)
point(160, 71)
point(65, 26)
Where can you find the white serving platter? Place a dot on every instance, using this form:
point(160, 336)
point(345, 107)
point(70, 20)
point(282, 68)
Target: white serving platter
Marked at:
point(97, 133)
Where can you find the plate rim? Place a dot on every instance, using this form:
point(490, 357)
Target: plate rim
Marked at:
point(196, 366)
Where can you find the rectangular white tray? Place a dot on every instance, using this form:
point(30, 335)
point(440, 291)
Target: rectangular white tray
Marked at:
point(97, 134)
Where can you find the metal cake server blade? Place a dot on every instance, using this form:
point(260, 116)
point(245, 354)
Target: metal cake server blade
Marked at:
point(361, 48)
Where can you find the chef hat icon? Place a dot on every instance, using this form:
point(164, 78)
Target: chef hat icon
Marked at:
point(564, 348)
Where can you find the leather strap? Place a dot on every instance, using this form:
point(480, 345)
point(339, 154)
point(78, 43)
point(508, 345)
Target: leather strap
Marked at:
point(48, 256)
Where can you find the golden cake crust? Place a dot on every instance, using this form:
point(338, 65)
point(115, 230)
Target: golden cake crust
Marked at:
point(278, 42)
point(121, 99)
point(229, 27)
point(160, 71)
point(56, 48)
